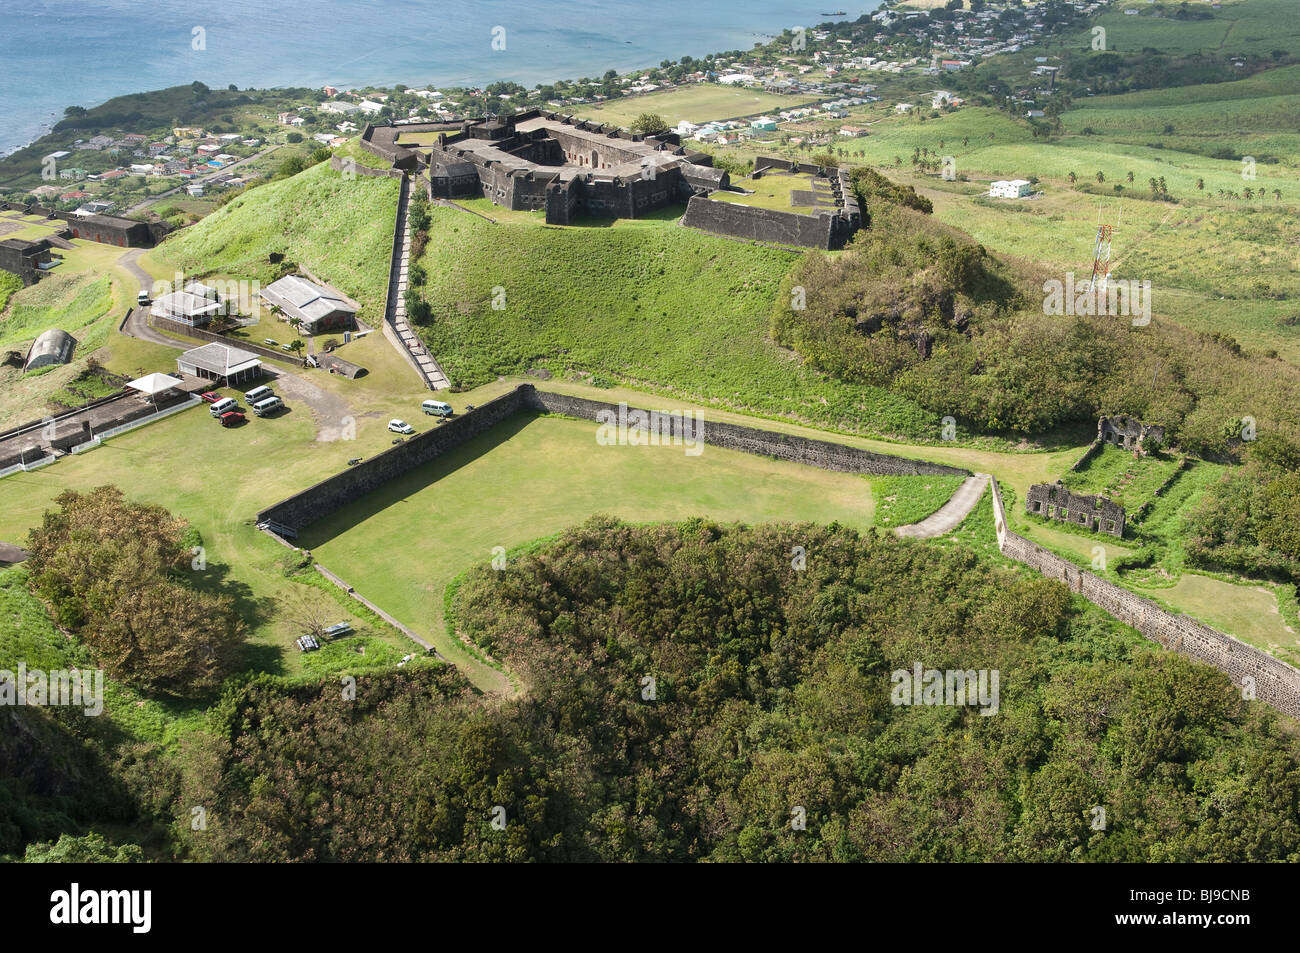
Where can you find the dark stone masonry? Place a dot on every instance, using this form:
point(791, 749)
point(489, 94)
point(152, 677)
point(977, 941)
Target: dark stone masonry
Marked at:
point(1128, 433)
point(1054, 501)
point(1271, 680)
point(567, 168)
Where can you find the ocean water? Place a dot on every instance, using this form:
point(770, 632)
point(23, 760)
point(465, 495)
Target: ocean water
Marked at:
point(57, 53)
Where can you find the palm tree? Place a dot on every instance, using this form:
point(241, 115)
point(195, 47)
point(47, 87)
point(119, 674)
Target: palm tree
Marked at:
point(1073, 178)
point(965, 141)
point(1249, 193)
point(1100, 178)
point(1277, 194)
point(1130, 177)
point(1200, 185)
point(1164, 189)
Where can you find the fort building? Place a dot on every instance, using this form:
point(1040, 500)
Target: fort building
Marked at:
point(1054, 501)
point(570, 168)
point(26, 259)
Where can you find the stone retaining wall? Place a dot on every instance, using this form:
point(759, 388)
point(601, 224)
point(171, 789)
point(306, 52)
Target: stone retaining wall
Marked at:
point(769, 443)
point(355, 482)
point(1275, 682)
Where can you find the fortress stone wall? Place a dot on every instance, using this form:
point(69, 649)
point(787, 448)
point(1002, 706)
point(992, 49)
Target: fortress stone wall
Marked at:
point(1274, 681)
point(768, 443)
point(355, 482)
point(317, 501)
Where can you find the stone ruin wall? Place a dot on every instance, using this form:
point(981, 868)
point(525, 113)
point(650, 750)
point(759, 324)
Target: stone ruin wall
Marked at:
point(1276, 683)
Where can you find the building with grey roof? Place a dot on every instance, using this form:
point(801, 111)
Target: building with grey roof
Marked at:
point(55, 346)
point(221, 363)
point(315, 307)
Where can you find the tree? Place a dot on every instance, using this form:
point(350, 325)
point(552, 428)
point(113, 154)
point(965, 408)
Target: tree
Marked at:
point(1200, 185)
point(115, 572)
point(88, 849)
point(1101, 177)
point(1130, 177)
point(649, 124)
point(1073, 178)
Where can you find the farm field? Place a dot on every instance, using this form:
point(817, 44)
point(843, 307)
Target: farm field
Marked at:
point(698, 104)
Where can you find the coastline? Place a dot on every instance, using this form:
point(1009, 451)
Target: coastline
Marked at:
point(579, 38)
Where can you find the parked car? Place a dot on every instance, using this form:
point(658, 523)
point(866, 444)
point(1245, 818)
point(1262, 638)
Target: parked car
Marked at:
point(223, 405)
point(437, 407)
point(211, 397)
point(142, 298)
point(267, 405)
point(400, 426)
point(232, 417)
point(258, 394)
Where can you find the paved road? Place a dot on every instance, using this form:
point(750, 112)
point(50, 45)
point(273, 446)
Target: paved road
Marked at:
point(949, 516)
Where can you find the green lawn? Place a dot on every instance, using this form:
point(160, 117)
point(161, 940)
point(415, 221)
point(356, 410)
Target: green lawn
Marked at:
point(1124, 478)
point(401, 545)
point(901, 500)
point(772, 190)
point(1250, 612)
point(649, 303)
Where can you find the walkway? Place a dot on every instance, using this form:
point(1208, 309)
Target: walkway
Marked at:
point(401, 333)
point(949, 516)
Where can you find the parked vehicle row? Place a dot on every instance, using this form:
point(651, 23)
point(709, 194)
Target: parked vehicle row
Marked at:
point(228, 411)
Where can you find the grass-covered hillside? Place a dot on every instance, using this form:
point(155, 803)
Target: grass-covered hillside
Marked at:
point(649, 303)
point(339, 227)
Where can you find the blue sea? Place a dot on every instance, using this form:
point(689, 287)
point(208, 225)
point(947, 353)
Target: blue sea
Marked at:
point(57, 53)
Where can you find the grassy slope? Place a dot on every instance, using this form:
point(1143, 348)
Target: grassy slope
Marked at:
point(341, 228)
point(72, 302)
point(668, 308)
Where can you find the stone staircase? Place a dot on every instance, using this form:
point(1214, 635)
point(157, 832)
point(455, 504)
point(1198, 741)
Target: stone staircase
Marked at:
point(399, 331)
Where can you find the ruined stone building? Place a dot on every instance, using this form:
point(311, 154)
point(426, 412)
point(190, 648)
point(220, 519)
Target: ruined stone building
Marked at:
point(1054, 501)
point(1127, 432)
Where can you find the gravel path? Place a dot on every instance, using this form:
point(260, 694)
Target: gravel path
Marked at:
point(949, 516)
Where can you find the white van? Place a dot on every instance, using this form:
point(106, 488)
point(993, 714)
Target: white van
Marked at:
point(437, 408)
point(223, 406)
point(267, 406)
point(258, 393)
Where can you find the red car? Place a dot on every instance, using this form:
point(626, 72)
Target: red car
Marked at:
point(231, 417)
point(211, 396)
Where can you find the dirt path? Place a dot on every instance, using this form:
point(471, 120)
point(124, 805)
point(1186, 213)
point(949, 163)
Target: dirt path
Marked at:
point(949, 516)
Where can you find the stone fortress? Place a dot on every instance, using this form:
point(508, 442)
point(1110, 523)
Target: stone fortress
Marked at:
point(570, 168)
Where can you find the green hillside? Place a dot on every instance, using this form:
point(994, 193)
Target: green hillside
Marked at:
point(340, 228)
point(653, 304)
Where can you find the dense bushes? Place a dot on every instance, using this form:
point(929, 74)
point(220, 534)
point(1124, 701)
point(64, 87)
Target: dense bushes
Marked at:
point(685, 691)
point(111, 571)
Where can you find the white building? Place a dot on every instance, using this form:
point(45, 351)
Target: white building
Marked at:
point(1013, 189)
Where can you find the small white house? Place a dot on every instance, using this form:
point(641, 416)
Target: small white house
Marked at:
point(1013, 189)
